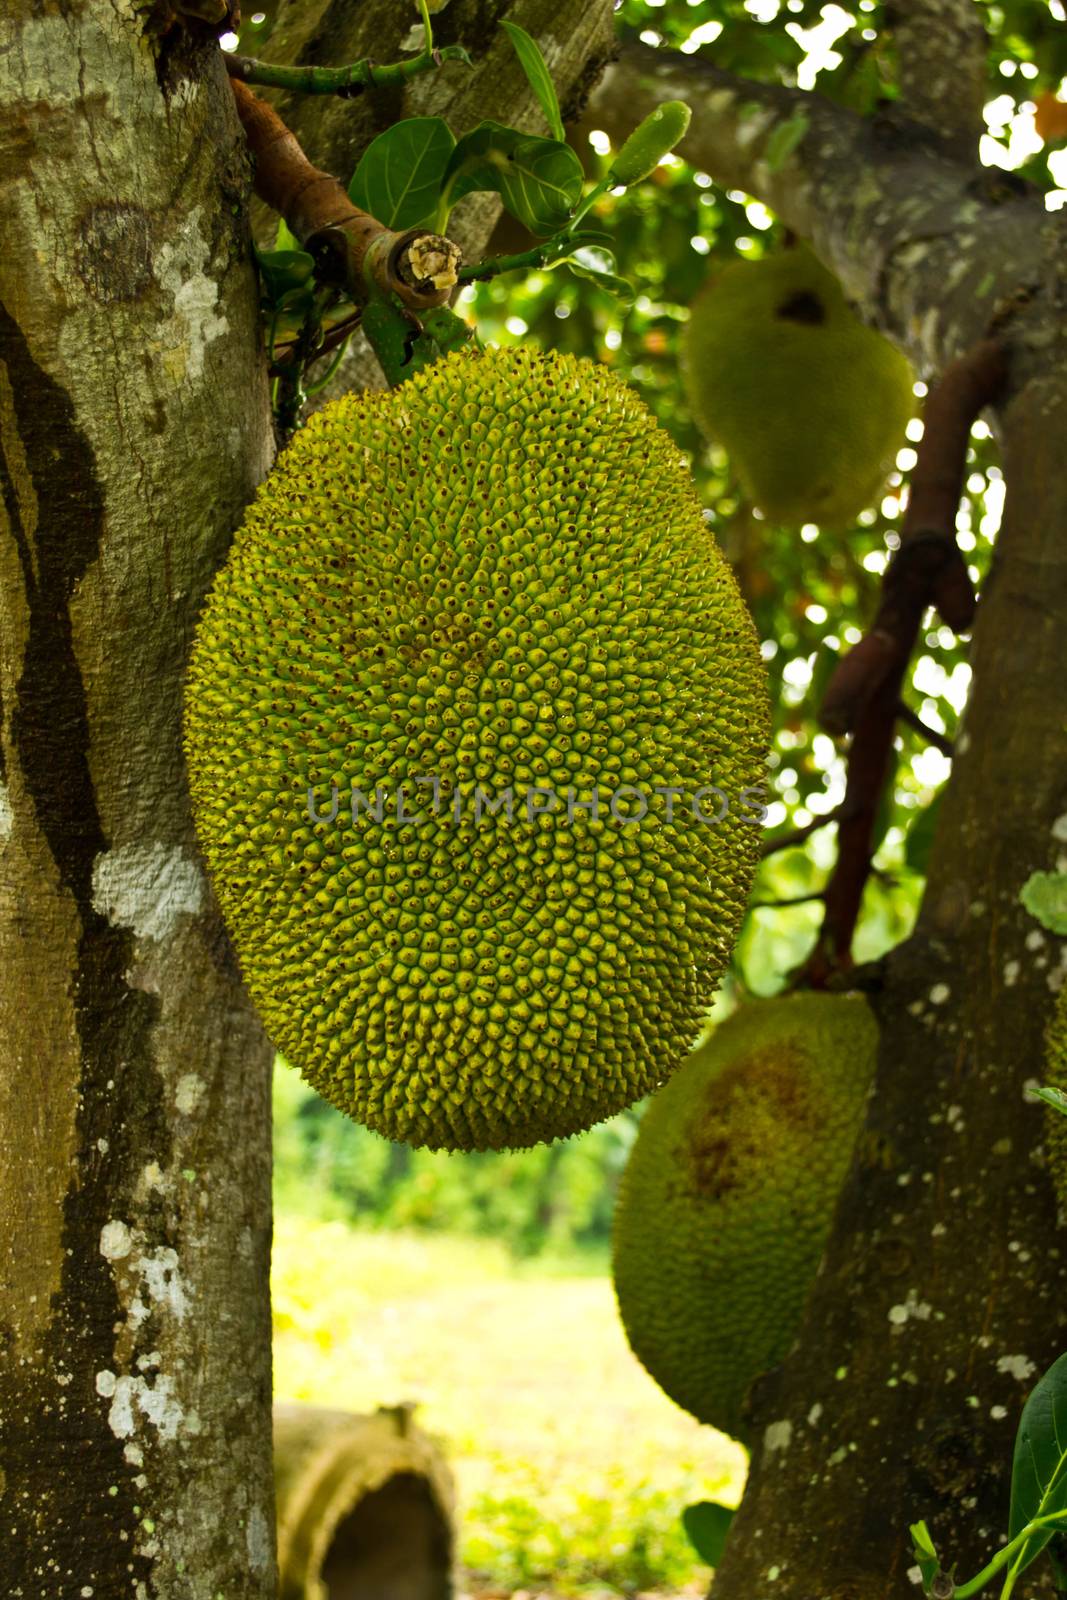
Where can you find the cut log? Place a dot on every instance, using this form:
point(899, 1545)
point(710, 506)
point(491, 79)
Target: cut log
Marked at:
point(364, 1507)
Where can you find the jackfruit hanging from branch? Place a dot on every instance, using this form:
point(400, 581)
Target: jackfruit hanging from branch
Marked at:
point(493, 578)
point(810, 405)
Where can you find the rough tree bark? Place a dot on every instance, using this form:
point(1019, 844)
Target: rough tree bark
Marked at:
point(134, 1092)
point(942, 1293)
point(134, 1085)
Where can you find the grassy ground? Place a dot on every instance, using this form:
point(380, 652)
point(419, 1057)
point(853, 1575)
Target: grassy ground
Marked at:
point(572, 1467)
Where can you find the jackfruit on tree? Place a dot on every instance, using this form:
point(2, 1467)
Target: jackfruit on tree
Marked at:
point(494, 579)
point(810, 405)
point(726, 1201)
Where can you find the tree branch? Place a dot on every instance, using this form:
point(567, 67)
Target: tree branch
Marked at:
point(941, 69)
point(865, 691)
point(418, 266)
point(904, 227)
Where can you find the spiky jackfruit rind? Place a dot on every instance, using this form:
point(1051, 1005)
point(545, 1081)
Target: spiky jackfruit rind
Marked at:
point(810, 405)
point(726, 1201)
point(496, 575)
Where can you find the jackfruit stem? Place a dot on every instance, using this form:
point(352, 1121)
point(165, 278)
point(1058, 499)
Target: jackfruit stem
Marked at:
point(340, 236)
point(347, 81)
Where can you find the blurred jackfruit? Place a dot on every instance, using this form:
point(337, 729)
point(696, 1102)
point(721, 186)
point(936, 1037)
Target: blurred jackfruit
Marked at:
point(810, 405)
point(726, 1201)
point(495, 581)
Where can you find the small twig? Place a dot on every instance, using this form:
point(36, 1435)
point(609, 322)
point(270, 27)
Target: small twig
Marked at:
point(337, 335)
point(865, 691)
point(928, 569)
point(940, 741)
point(351, 248)
point(786, 841)
point(482, 271)
point(794, 900)
point(346, 81)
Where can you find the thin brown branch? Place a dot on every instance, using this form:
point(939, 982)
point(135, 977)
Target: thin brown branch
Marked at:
point(790, 900)
point(865, 691)
point(940, 741)
point(928, 569)
point(787, 841)
point(352, 248)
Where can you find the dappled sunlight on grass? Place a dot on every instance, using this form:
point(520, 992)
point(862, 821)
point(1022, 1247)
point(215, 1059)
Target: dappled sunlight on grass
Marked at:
point(572, 1467)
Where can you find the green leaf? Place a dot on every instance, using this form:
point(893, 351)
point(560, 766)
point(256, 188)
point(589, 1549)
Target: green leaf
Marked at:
point(533, 64)
point(539, 180)
point(926, 1556)
point(1044, 894)
point(1039, 1468)
point(1054, 1097)
point(706, 1525)
point(285, 239)
point(283, 271)
point(784, 140)
point(599, 267)
point(401, 173)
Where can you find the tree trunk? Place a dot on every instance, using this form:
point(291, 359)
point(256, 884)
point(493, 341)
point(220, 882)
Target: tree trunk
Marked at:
point(943, 1292)
point(134, 1090)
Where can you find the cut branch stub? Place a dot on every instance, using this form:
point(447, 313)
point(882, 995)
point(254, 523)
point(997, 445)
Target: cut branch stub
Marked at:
point(351, 248)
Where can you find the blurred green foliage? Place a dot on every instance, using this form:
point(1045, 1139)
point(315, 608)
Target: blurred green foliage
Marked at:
point(556, 1199)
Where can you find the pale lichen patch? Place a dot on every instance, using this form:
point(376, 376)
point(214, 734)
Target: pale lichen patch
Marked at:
point(910, 1308)
point(116, 1241)
point(257, 1540)
point(778, 1436)
point(189, 1093)
point(7, 816)
point(1020, 1367)
point(147, 887)
point(195, 324)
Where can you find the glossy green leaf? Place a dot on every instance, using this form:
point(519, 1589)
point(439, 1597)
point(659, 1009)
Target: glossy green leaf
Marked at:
point(1053, 1097)
point(285, 238)
point(284, 270)
point(1044, 894)
point(1039, 1468)
point(599, 267)
point(926, 1556)
point(533, 64)
point(539, 180)
point(706, 1525)
point(401, 173)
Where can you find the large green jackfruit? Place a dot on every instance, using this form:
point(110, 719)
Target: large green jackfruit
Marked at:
point(495, 578)
point(726, 1201)
point(810, 405)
